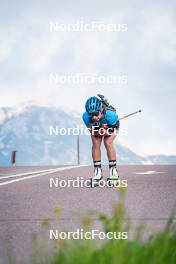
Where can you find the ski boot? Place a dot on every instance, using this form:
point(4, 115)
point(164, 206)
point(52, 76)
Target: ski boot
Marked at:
point(113, 179)
point(94, 181)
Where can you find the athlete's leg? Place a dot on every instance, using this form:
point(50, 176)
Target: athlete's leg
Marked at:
point(96, 151)
point(111, 153)
point(96, 155)
point(108, 142)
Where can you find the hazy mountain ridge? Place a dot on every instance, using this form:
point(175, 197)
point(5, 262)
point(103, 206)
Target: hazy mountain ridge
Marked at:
point(27, 130)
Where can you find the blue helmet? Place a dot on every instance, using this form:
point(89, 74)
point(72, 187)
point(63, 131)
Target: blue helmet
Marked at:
point(93, 104)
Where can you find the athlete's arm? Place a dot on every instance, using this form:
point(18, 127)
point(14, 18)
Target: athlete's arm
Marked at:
point(112, 119)
point(88, 122)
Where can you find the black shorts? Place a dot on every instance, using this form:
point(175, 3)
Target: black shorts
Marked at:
point(111, 130)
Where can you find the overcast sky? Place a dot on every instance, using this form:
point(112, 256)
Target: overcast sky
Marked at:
point(146, 53)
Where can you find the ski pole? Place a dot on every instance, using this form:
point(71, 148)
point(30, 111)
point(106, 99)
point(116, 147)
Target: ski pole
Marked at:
point(123, 117)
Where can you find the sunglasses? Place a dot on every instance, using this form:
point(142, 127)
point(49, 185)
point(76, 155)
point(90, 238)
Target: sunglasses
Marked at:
point(95, 114)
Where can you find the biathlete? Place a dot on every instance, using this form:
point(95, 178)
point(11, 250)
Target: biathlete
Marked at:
point(103, 123)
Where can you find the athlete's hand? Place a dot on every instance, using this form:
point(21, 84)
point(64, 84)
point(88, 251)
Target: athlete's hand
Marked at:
point(105, 126)
point(103, 130)
point(98, 131)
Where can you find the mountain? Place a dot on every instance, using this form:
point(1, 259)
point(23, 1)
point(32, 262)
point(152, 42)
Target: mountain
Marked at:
point(37, 133)
point(162, 159)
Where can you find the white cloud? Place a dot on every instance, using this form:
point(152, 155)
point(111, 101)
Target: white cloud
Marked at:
point(29, 52)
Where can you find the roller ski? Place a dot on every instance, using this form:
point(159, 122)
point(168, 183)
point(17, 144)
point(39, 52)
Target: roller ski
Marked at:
point(113, 179)
point(94, 181)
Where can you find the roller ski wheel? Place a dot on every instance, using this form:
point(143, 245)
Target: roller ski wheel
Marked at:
point(94, 182)
point(113, 182)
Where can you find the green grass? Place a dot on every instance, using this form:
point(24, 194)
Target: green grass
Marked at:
point(158, 248)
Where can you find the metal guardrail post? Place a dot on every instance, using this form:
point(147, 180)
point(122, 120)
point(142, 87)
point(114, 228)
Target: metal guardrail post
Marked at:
point(13, 157)
point(78, 149)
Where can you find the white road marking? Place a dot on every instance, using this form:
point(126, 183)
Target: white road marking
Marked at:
point(40, 174)
point(25, 173)
point(148, 172)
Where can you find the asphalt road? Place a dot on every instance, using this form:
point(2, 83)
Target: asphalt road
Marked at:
point(27, 200)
